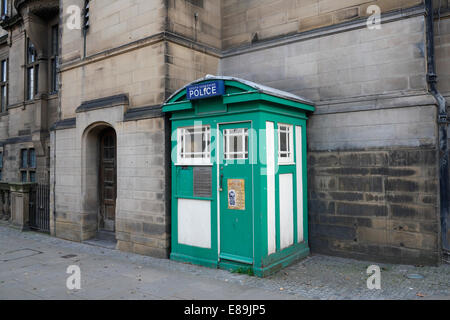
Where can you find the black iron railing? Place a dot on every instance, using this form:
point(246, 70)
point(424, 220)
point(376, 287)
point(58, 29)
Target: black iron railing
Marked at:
point(40, 208)
point(5, 201)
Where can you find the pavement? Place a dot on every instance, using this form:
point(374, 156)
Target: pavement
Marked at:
point(33, 266)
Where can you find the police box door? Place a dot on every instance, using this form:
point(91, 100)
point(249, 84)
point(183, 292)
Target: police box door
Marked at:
point(236, 196)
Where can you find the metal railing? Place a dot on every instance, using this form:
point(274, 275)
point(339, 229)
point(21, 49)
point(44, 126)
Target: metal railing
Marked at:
point(5, 202)
point(40, 208)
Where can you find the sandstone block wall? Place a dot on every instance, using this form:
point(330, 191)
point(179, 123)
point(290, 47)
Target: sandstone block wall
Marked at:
point(346, 65)
point(185, 65)
point(269, 19)
point(138, 73)
point(378, 205)
point(142, 212)
point(372, 158)
point(198, 20)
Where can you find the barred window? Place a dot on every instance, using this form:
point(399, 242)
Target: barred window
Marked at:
point(194, 145)
point(236, 144)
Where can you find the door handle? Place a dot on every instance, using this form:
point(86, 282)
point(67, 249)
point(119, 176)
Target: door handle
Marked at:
point(221, 183)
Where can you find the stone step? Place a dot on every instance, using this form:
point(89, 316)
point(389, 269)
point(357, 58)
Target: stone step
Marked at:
point(106, 235)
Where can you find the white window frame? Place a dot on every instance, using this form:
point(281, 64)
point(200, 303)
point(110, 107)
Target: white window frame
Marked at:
point(182, 160)
point(290, 132)
point(242, 155)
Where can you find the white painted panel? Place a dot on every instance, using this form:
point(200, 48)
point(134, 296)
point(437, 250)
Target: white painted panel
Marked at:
point(286, 211)
point(299, 157)
point(194, 223)
point(270, 150)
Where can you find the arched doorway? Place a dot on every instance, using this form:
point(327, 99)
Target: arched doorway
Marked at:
point(99, 181)
point(107, 180)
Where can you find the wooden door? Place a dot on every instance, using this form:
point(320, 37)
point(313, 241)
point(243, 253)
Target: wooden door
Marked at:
point(108, 180)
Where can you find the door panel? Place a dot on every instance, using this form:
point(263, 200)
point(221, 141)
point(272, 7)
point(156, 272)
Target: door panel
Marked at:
point(108, 180)
point(236, 188)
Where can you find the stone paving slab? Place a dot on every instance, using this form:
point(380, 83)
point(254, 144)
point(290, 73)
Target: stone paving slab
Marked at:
point(37, 270)
point(110, 274)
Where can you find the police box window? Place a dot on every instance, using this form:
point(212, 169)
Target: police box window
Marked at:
point(235, 144)
point(194, 145)
point(285, 144)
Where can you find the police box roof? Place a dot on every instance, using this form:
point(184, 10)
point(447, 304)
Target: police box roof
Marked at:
point(254, 85)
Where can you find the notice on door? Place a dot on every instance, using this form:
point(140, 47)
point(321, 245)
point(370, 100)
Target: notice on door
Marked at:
point(236, 194)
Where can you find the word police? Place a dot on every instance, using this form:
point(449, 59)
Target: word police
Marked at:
point(205, 90)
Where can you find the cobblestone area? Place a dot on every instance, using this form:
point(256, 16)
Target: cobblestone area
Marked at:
point(106, 271)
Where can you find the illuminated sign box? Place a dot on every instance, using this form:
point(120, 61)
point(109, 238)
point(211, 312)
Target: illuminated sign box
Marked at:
point(206, 90)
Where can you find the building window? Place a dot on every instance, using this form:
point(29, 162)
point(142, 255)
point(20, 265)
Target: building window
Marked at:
point(23, 176)
point(194, 145)
point(54, 60)
point(235, 144)
point(285, 144)
point(28, 165)
point(4, 86)
point(4, 9)
point(32, 71)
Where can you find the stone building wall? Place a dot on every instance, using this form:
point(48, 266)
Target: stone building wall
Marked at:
point(266, 19)
point(442, 40)
point(25, 124)
point(142, 224)
point(113, 23)
point(140, 73)
point(344, 65)
point(372, 141)
point(185, 65)
point(197, 20)
point(372, 157)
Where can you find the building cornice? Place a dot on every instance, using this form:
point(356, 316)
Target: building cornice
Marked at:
point(9, 22)
point(36, 4)
point(148, 41)
point(107, 102)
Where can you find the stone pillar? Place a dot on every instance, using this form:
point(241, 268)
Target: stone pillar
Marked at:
point(20, 204)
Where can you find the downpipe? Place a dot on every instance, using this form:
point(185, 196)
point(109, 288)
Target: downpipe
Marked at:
point(442, 130)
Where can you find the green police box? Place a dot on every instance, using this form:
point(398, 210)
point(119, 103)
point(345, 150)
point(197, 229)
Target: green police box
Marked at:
point(239, 183)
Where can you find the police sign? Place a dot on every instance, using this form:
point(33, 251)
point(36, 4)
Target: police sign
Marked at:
point(206, 90)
